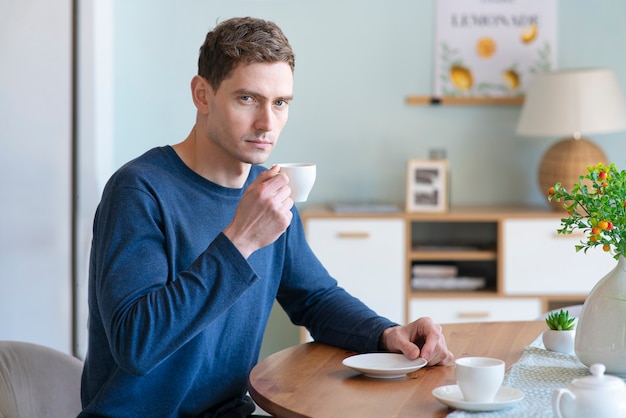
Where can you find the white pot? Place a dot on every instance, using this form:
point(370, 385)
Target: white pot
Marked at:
point(559, 341)
point(601, 329)
point(597, 396)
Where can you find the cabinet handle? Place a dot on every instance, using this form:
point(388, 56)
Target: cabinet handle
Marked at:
point(474, 315)
point(353, 235)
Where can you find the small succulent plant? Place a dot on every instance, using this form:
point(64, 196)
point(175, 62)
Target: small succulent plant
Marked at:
point(560, 321)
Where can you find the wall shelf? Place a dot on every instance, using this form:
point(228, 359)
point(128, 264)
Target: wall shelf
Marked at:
point(464, 101)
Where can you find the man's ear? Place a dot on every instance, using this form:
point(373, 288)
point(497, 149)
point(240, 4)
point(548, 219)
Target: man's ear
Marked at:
point(200, 91)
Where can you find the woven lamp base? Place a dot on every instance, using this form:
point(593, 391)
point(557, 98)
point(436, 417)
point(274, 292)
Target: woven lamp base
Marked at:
point(565, 162)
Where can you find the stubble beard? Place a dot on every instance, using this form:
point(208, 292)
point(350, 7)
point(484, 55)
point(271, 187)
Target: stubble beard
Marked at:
point(241, 150)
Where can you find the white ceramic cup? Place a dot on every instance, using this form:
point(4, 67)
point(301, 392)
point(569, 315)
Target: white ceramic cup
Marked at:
point(479, 378)
point(301, 179)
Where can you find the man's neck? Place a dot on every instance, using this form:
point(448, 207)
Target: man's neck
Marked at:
point(209, 164)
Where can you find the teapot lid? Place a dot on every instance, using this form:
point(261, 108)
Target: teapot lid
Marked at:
point(598, 380)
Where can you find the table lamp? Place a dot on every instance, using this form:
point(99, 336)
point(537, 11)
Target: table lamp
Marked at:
point(570, 104)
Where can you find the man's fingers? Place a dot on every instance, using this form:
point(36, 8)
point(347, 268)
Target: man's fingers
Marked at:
point(410, 350)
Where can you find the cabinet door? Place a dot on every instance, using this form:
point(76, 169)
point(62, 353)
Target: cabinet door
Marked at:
point(455, 310)
point(537, 260)
point(366, 256)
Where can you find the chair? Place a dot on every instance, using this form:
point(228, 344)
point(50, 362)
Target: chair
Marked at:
point(38, 381)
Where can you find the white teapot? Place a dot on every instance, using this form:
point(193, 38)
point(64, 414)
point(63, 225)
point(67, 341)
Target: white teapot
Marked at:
point(597, 396)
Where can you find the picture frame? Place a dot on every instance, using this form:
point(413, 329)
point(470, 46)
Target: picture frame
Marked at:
point(478, 63)
point(427, 186)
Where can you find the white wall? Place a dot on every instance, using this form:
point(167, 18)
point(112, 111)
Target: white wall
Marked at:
point(95, 138)
point(35, 172)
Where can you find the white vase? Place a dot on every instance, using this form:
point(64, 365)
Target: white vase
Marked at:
point(559, 341)
point(601, 329)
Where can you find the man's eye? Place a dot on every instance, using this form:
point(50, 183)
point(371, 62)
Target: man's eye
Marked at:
point(246, 98)
point(281, 103)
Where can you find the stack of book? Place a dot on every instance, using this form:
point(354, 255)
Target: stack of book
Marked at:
point(442, 277)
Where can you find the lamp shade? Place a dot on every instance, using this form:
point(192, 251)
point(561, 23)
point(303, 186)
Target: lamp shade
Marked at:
point(573, 102)
point(570, 104)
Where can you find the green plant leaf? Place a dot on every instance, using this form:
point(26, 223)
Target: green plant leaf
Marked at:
point(560, 321)
point(596, 206)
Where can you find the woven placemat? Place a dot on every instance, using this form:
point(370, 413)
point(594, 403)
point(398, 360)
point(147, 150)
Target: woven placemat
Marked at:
point(537, 373)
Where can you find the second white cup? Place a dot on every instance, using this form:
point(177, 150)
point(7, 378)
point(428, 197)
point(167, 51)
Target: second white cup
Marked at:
point(301, 179)
point(479, 378)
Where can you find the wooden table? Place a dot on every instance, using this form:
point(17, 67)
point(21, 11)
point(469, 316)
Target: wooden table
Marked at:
point(309, 380)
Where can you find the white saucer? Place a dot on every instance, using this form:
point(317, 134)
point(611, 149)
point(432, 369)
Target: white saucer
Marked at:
point(383, 365)
point(451, 396)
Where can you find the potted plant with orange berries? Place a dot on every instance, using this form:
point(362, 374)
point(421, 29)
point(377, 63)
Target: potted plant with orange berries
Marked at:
point(596, 205)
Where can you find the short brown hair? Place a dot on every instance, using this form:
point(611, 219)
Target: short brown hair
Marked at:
point(244, 40)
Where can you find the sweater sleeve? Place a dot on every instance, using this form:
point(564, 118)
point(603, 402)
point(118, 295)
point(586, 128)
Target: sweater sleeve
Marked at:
point(148, 307)
point(312, 298)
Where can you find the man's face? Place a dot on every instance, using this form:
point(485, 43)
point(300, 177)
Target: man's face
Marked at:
point(249, 111)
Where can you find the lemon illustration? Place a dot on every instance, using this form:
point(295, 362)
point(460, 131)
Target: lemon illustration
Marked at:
point(485, 47)
point(529, 34)
point(461, 77)
point(511, 78)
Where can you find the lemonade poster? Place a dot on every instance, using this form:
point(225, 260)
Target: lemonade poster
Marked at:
point(492, 48)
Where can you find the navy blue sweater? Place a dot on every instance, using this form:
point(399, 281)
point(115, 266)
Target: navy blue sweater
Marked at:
point(176, 314)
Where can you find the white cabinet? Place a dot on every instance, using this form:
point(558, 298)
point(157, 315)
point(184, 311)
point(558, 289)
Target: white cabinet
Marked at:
point(366, 256)
point(536, 260)
point(454, 310)
point(527, 267)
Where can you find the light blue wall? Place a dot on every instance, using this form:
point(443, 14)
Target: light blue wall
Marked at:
point(356, 61)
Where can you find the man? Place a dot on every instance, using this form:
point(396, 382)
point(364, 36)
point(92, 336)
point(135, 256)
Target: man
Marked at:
point(192, 244)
